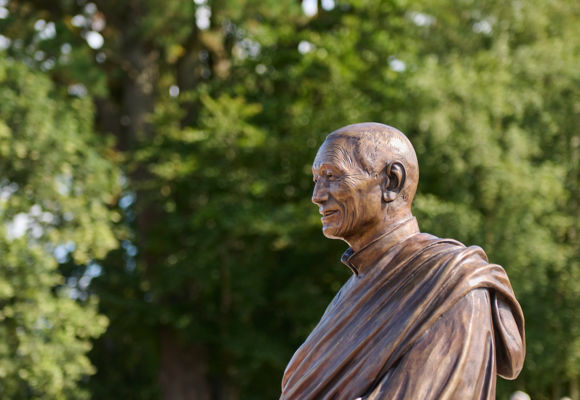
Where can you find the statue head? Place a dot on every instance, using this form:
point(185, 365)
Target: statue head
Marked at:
point(365, 179)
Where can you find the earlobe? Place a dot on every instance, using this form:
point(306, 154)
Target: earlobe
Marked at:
point(389, 196)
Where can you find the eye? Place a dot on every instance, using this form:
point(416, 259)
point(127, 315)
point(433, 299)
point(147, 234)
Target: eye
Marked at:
point(330, 175)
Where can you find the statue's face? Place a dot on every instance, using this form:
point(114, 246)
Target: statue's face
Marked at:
point(347, 197)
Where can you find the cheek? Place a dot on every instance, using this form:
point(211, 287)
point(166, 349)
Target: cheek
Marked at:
point(342, 192)
point(358, 206)
point(350, 211)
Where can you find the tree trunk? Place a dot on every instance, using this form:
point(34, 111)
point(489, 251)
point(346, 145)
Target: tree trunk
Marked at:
point(182, 367)
point(182, 373)
point(574, 390)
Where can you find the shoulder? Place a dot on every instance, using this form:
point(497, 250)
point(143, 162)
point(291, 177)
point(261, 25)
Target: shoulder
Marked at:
point(431, 246)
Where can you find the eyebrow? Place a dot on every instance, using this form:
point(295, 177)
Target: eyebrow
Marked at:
point(339, 159)
point(317, 167)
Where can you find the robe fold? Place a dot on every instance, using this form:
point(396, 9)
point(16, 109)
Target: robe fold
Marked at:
point(421, 318)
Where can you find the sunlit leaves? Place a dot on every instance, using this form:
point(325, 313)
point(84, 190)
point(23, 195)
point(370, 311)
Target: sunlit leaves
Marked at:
point(244, 93)
point(56, 188)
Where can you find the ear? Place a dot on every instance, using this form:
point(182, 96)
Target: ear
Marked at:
point(393, 180)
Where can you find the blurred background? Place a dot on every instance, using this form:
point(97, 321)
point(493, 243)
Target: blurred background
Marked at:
point(157, 237)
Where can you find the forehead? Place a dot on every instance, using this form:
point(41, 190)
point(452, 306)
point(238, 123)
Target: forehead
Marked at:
point(336, 152)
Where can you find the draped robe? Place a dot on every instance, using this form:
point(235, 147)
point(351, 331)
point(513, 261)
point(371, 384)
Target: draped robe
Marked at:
point(421, 318)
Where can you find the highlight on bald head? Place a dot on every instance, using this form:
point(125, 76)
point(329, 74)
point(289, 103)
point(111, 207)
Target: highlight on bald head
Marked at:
point(376, 145)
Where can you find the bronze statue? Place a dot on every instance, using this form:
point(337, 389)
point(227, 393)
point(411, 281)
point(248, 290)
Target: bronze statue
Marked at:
point(421, 317)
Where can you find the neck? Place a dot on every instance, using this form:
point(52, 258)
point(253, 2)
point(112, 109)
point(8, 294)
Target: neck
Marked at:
point(389, 223)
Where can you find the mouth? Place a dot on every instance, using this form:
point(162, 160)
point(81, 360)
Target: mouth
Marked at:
point(327, 213)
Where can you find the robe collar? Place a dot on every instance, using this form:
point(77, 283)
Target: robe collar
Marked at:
point(361, 261)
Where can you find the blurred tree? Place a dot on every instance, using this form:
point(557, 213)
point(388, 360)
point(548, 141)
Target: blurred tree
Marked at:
point(499, 118)
point(56, 185)
point(218, 106)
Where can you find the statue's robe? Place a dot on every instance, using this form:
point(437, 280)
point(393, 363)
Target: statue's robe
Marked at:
point(421, 318)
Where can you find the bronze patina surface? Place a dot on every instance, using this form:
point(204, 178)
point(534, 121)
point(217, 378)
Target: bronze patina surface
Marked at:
point(421, 317)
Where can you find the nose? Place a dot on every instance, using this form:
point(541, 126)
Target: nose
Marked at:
point(320, 193)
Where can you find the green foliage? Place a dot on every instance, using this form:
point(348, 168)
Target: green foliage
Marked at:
point(493, 123)
point(217, 123)
point(55, 190)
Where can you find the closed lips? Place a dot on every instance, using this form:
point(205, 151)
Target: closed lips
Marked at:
point(326, 213)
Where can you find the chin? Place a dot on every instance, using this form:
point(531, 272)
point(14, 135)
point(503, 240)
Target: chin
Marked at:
point(331, 233)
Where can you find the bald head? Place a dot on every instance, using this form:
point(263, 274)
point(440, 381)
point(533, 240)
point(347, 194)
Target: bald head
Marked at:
point(375, 146)
point(365, 179)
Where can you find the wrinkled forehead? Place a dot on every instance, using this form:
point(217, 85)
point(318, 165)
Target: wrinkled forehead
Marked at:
point(337, 152)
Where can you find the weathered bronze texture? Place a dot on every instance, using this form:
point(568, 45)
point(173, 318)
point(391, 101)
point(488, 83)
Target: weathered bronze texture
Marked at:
point(421, 317)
